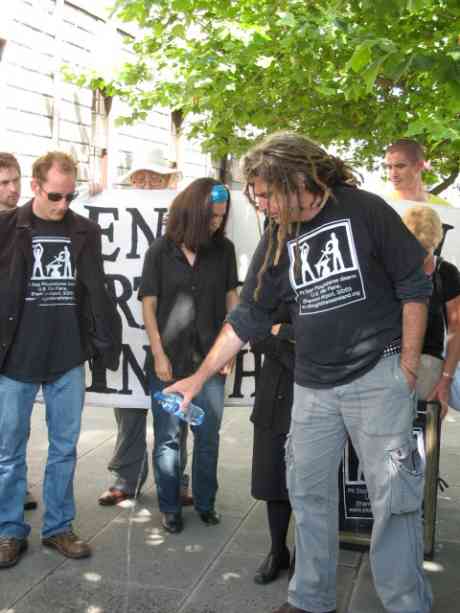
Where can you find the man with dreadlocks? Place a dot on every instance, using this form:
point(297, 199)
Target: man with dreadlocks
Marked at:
point(352, 277)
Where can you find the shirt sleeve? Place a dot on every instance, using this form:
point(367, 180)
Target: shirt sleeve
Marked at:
point(416, 287)
point(253, 318)
point(150, 280)
point(400, 253)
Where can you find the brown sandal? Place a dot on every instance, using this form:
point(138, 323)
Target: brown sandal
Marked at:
point(113, 496)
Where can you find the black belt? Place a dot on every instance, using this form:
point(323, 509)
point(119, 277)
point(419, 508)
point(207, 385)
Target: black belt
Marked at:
point(394, 348)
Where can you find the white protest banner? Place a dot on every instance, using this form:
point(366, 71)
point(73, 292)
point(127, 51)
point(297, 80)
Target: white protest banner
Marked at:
point(130, 219)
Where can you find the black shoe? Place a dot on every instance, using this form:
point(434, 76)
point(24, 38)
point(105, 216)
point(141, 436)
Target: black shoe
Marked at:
point(172, 522)
point(211, 518)
point(270, 568)
point(30, 503)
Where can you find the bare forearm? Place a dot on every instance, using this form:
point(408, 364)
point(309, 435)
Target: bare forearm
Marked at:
point(227, 345)
point(413, 332)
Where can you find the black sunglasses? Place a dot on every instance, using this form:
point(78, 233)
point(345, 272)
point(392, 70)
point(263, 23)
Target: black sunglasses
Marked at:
point(57, 197)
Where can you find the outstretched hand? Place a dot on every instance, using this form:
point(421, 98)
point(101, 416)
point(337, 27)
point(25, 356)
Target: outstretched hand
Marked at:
point(188, 388)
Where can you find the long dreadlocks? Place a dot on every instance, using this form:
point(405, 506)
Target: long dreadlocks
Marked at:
point(287, 162)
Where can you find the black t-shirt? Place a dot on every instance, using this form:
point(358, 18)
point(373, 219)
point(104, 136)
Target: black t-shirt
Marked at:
point(446, 289)
point(191, 299)
point(47, 342)
point(344, 276)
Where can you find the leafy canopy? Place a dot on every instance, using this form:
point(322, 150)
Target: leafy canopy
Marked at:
point(356, 74)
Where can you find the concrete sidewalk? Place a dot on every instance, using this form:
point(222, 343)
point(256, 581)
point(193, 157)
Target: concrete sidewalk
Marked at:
point(137, 567)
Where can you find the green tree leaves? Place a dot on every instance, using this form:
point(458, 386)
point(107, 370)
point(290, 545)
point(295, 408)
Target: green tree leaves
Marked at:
point(347, 72)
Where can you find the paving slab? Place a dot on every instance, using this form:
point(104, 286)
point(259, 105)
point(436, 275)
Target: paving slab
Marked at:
point(137, 567)
point(442, 573)
point(137, 547)
point(70, 590)
point(229, 587)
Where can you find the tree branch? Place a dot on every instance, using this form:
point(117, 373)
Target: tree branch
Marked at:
point(437, 189)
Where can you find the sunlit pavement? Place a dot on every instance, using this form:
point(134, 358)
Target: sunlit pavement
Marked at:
point(138, 567)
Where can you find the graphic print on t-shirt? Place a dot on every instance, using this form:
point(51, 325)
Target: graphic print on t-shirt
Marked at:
point(327, 275)
point(53, 280)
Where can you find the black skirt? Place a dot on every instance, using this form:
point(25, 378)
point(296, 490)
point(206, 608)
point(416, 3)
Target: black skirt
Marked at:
point(268, 465)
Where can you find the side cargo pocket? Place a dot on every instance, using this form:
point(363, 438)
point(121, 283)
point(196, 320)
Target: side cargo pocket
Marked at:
point(407, 479)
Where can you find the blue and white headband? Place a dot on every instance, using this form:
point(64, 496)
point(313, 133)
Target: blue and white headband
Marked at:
point(219, 193)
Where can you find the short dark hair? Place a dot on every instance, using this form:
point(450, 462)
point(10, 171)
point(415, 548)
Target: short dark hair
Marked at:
point(411, 148)
point(190, 216)
point(43, 164)
point(7, 160)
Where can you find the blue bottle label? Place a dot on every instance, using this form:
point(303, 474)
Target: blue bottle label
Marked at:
point(171, 403)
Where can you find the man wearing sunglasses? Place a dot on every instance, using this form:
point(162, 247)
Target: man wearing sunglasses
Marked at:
point(55, 313)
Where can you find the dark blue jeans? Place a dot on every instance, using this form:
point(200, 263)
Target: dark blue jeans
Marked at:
point(167, 451)
point(64, 400)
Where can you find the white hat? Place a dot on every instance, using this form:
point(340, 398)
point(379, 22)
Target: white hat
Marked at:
point(155, 161)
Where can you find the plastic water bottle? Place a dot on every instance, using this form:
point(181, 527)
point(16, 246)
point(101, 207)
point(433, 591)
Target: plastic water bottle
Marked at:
point(171, 403)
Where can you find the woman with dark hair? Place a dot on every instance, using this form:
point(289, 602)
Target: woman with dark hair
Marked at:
point(188, 285)
point(271, 417)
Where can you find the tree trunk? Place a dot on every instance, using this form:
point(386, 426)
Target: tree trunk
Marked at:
point(223, 170)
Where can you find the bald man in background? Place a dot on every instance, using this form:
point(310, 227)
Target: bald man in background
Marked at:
point(405, 162)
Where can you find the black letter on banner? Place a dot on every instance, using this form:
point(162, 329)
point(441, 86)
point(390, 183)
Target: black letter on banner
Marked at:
point(123, 298)
point(161, 221)
point(240, 373)
point(445, 229)
point(138, 222)
point(94, 213)
point(128, 359)
point(99, 378)
point(136, 285)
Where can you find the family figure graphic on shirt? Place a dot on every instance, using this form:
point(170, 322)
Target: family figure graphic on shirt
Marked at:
point(329, 263)
point(60, 267)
